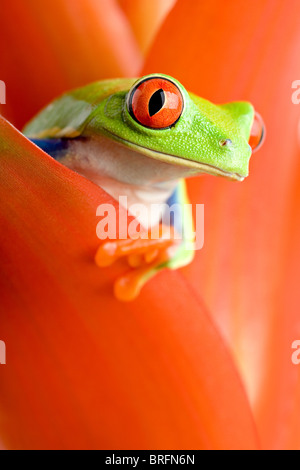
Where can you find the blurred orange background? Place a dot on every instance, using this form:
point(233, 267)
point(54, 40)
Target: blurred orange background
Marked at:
point(202, 359)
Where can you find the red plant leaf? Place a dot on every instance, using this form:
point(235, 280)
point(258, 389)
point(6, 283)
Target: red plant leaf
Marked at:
point(84, 370)
point(248, 268)
point(145, 18)
point(49, 47)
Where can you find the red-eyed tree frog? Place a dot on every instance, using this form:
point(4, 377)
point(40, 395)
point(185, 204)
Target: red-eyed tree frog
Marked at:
point(140, 139)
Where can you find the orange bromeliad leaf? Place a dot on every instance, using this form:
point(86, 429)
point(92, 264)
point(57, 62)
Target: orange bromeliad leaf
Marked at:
point(145, 18)
point(49, 47)
point(84, 370)
point(248, 270)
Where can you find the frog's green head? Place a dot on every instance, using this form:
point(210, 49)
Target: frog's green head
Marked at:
point(159, 118)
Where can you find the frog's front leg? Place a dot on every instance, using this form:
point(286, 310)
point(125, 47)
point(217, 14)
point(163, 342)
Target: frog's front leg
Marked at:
point(170, 245)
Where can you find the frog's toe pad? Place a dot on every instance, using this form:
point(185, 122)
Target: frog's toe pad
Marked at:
point(144, 255)
point(128, 286)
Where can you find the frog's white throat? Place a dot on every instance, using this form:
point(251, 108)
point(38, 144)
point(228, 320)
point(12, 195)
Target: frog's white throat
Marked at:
point(121, 171)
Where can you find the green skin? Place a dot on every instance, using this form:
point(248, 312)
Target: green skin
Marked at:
point(140, 157)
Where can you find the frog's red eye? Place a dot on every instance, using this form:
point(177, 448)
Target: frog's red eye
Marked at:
point(257, 133)
point(156, 103)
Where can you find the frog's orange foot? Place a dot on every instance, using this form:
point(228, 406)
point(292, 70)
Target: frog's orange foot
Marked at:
point(144, 255)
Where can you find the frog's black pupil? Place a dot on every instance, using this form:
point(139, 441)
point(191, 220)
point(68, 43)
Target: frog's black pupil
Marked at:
point(156, 102)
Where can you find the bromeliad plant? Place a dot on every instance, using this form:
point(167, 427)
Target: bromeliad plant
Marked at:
point(139, 140)
point(202, 358)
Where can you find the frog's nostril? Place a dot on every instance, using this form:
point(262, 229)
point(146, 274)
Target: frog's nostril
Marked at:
point(225, 143)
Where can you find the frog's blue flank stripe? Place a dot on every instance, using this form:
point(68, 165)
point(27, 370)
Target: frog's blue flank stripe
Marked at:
point(56, 148)
point(175, 215)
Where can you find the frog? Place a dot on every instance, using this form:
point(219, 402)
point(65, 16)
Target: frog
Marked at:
point(140, 139)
